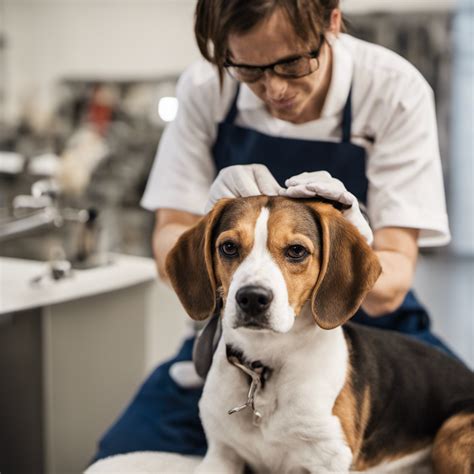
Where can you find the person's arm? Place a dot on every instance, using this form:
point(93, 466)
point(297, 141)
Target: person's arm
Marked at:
point(397, 250)
point(169, 225)
point(404, 166)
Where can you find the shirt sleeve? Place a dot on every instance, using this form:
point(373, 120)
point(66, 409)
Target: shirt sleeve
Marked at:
point(183, 169)
point(404, 168)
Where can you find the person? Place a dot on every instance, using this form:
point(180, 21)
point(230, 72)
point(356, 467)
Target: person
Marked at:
point(285, 103)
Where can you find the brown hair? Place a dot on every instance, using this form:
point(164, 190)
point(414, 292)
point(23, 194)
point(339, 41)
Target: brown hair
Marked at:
point(216, 19)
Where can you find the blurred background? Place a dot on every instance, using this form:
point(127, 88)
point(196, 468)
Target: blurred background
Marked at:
point(86, 89)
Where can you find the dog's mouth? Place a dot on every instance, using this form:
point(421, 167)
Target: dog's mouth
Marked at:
point(253, 324)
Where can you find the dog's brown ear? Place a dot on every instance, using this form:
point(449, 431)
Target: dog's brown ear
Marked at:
point(348, 269)
point(190, 267)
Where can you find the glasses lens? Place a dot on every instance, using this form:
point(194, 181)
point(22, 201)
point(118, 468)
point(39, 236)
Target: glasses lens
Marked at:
point(296, 68)
point(245, 74)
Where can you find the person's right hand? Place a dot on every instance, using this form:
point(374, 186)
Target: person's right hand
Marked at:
point(242, 181)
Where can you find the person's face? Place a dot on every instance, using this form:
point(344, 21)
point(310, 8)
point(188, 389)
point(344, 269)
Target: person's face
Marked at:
point(272, 40)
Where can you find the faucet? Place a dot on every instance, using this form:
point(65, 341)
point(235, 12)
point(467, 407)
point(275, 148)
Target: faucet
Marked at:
point(43, 200)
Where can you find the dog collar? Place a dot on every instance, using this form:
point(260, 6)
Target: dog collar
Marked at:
point(258, 374)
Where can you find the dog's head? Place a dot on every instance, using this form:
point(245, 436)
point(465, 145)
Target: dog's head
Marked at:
point(265, 257)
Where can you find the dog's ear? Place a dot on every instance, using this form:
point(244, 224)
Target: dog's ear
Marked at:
point(348, 269)
point(190, 266)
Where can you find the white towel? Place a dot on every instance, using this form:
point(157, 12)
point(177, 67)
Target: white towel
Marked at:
point(145, 463)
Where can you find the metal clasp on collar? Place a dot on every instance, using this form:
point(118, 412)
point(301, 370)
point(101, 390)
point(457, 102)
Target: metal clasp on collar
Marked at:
point(254, 387)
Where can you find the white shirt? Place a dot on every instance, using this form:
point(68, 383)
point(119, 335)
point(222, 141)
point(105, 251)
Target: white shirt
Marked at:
point(391, 102)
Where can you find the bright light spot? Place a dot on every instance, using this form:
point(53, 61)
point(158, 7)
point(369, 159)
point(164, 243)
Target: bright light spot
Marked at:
point(168, 108)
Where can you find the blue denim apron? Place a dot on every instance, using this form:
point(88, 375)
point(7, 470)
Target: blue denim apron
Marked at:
point(164, 416)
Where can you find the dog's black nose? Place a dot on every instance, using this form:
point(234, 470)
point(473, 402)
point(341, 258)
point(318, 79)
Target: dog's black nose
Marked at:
point(254, 300)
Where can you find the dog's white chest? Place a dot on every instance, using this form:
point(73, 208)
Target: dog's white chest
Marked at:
point(297, 433)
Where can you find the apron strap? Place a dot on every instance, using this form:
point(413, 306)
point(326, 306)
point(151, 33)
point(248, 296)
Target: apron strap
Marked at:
point(347, 119)
point(230, 118)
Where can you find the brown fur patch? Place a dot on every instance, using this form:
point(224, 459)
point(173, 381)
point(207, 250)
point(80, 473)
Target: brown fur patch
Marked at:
point(453, 449)
point(285, 230)
point(353, 411)
point(190, 268)
point(349, 269)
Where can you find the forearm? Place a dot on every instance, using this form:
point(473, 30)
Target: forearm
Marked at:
point(392, 285)
point(397, 252)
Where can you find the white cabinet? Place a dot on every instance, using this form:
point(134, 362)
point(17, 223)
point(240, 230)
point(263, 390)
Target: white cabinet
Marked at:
point(73, 353)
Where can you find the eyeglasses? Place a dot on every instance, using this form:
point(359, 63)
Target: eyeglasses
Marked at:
point(291, 68)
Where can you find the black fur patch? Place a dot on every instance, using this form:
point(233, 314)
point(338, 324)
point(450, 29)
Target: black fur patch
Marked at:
point(414, 388)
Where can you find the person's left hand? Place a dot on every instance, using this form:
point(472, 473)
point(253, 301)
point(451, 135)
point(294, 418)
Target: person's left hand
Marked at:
point(322, 184)
point(242, 181)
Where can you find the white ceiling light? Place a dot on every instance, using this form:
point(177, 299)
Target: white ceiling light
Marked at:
point(168, 108)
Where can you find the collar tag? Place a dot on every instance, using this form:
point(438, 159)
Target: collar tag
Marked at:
point(254, 387)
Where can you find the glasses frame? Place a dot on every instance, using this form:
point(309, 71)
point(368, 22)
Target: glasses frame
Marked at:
point(314, 54)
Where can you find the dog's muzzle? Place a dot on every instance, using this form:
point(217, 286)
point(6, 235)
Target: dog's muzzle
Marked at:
point(253, 303)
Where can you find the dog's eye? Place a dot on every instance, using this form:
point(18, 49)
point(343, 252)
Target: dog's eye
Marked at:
point(229, 249)
point(296, 252)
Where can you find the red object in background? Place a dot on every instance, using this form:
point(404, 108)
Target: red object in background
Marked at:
point(100, 109)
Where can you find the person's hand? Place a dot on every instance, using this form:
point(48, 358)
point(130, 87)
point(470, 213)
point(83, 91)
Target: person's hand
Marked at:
point(322, 184)
point(242, 181)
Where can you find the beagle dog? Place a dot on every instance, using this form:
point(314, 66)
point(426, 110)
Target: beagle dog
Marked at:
point(294, 387)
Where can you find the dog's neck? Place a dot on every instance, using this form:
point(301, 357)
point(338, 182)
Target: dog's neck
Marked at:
point(237, 358)
point(276, 350)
